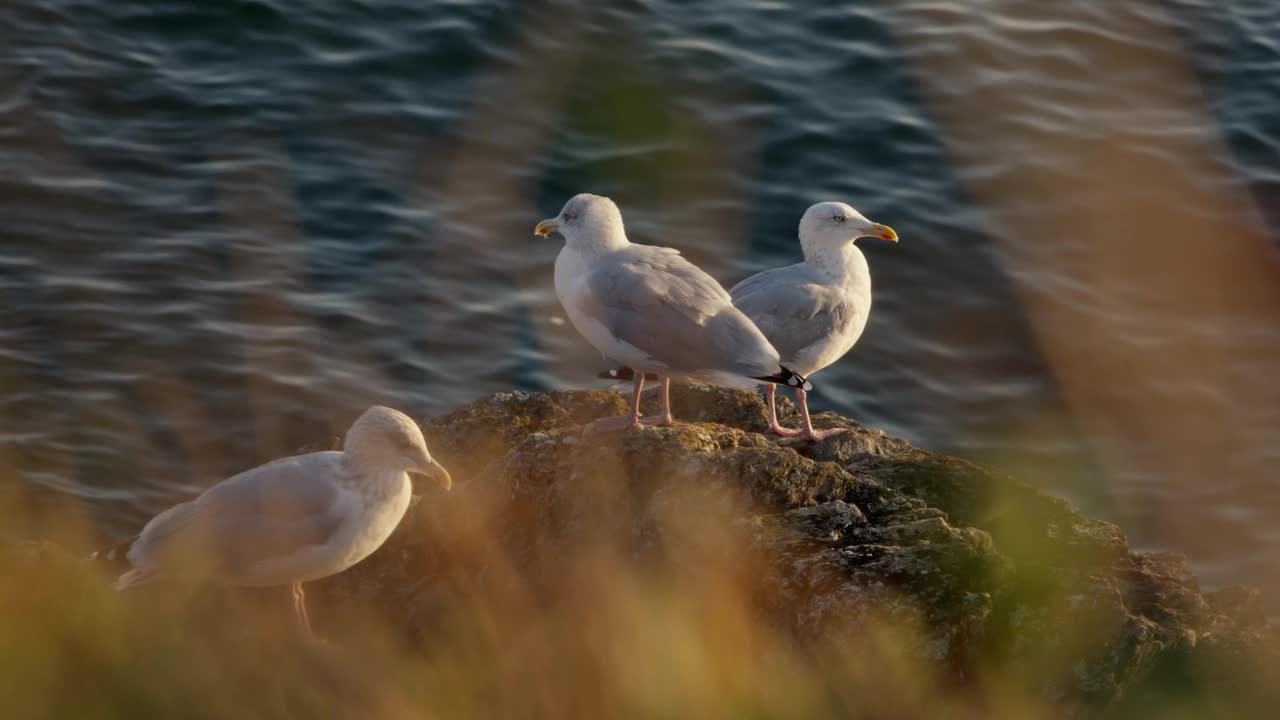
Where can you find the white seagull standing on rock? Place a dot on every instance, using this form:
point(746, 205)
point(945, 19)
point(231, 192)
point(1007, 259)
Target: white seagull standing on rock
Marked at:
point(652, 310)
point(813, 312)
point(295, 519)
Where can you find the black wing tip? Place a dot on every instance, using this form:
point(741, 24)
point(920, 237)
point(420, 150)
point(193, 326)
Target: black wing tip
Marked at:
point(623, 373)
point(789, 378)
point(114, 555)
point(784, 377)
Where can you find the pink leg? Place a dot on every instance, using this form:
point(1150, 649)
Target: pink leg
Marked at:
point(620, 422)
point(664, 418)
point(300, 609)
point(809, 432)
point(770, 393)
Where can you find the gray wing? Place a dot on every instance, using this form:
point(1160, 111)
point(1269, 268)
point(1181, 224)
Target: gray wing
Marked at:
point(271, 511)
point(652, 298)
point(793, 309)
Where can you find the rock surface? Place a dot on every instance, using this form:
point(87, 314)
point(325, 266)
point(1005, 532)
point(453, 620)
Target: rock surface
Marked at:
point(831, 538)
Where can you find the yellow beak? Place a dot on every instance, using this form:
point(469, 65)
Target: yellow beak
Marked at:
point(884, 232)
point(435, 471)
point(546, 227)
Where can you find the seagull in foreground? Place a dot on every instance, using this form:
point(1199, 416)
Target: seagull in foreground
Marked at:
point(813, 312)
point(292, 520)
point(654, 311)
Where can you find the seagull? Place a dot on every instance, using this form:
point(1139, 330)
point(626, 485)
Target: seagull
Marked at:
point(814, 311)
point(292, 520)
point(652, 310)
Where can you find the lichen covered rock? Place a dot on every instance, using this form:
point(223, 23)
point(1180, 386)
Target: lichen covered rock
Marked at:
point(828, 538)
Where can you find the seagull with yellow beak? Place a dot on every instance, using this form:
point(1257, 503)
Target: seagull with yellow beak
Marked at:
point(292, 520)
point(652, 310)
point(814, 311)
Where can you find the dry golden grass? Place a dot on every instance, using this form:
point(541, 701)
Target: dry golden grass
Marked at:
point(592, 631)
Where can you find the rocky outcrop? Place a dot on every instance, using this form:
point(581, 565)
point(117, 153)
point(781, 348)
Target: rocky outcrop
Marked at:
point(829, 540)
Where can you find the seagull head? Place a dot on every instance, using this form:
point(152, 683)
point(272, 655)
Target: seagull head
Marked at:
point(586, 221)
point(829, 224)
point(390, 440)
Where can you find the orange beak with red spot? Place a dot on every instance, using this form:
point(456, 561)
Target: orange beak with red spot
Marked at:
point(884, 232)
point(546, 227)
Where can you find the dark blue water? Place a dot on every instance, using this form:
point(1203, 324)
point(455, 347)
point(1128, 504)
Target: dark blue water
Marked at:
point(226, 228)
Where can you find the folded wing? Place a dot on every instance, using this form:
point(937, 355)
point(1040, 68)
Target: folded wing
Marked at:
point(265, 514)
point(796, 313)
point(659, 302)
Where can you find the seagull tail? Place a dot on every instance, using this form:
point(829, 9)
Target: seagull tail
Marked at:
point(788, 378)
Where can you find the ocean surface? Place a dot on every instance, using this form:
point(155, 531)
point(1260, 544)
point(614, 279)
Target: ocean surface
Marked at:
point(228, 227)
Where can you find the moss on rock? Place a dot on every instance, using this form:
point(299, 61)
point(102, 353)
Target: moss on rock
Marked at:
point(996, 573)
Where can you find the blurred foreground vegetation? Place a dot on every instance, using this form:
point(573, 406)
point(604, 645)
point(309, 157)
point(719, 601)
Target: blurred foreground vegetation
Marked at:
point(660, 573)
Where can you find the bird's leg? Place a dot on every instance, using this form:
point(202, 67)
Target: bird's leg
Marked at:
point(621, 422)
point(809, 432)
point(300, 609)
point(771, 393)
point(664, 418)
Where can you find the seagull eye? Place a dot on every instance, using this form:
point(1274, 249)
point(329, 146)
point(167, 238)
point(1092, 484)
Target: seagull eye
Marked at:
point(838, 218)
point(570, 216)
point(403, 442)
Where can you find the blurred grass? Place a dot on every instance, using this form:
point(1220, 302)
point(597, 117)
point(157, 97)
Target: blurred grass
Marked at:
point(616, 638)
point(604, 634)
